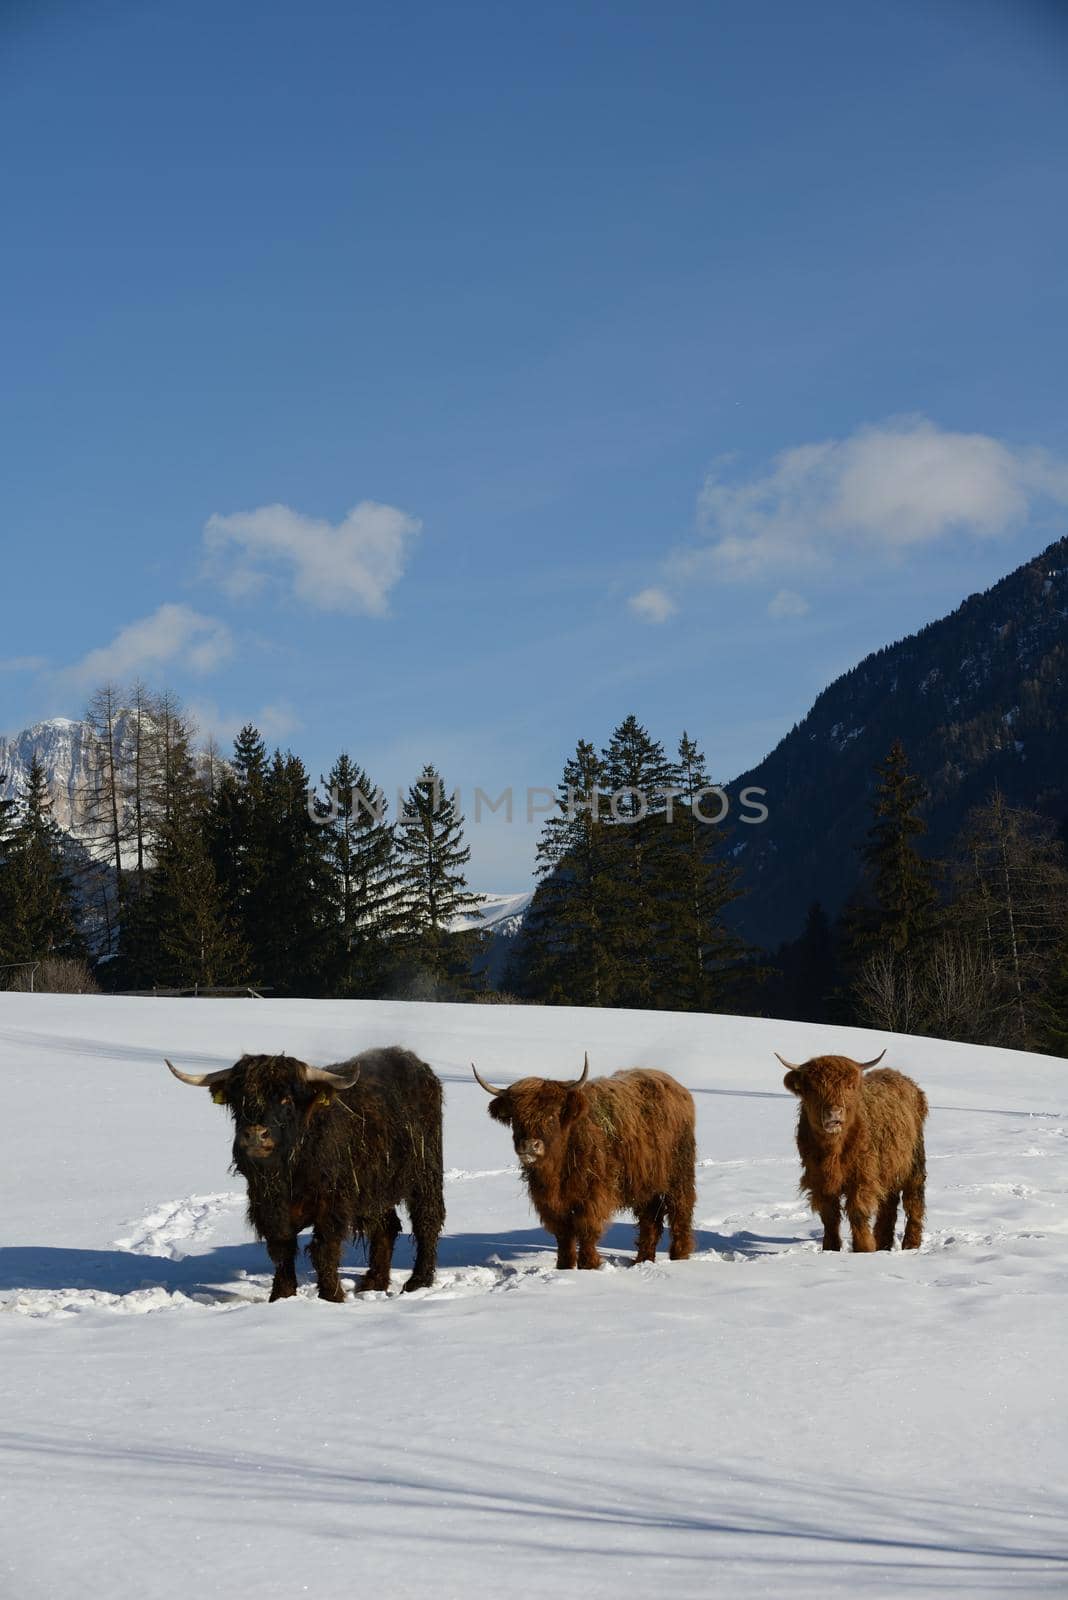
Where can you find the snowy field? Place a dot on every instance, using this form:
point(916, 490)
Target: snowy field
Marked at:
point(761, 1420)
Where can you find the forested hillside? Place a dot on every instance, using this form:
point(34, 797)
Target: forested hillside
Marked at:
point(979, 698)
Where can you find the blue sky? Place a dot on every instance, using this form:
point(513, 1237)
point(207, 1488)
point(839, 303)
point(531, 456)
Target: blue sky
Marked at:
point(444, 383)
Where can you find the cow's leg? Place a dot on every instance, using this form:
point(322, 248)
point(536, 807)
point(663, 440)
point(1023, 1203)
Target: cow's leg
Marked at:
point(831, 1217)
point(381, 1237)
point(859, 1208)
point(681, 1199)
point(588, 1230)
point(566, 1250)
point(427, 1211)
point(283, 1252)
point(913, 1196)
point(325, 1253)
point(650, 1228)
point(886, 1221)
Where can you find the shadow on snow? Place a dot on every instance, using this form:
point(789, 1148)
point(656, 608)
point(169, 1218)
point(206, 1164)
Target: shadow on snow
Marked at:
point(39, 1267)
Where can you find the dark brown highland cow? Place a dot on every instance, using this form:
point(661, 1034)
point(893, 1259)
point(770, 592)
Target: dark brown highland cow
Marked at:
point(860, 1139)
point(589, 1149)
point(336, 1149)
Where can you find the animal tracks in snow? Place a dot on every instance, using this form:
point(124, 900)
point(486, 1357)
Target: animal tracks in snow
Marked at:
point(190, 1221)
point(988, 1209)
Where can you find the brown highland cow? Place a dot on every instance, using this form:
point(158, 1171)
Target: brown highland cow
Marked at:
point(589, 1149)
point(336, 1149)
point(860, 1138)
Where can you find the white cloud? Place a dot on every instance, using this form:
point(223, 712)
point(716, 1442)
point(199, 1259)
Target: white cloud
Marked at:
point(652, 605)
point(274, 721)
point(24, 664)
point(787, 604)
point(171, 633)
point(351, 566)
point(892, 487)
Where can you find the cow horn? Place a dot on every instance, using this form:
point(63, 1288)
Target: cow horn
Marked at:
point(487, 1086)
point(200, 1080)
point(864, 1065)
point(791, 1066)
point(336, 1080)
point(577, 1083)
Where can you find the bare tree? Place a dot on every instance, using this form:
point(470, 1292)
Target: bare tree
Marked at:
point(141, 722)
point(210, 765)
point(105, 803)
point(957, 999)
point(1011, 885)
point(887, 993)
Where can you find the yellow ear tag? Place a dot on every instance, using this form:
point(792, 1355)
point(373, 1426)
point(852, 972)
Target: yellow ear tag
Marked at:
point(219, 1096)
point(323, 1097)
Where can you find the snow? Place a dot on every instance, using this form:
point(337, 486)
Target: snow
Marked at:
point(501, 913)
point(761, 1420)
point(841, 740)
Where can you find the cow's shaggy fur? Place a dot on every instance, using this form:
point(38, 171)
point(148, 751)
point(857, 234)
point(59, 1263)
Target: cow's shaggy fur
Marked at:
point(342, 1161)
point(873, 1160)
point(624, 1143)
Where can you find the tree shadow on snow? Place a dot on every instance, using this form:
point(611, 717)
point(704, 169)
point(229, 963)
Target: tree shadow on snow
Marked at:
point(687, 1511)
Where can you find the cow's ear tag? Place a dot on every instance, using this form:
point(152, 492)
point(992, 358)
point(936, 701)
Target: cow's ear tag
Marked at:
point(219, 1096)
point(323, 1097)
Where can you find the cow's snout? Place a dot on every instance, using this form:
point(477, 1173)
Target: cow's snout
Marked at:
point(833, 1120)
point(257, 1140)
point(530, 1150)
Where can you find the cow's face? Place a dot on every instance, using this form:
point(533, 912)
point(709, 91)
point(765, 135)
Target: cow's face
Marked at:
point(829, 1090)
point(539, 1113)
point(272, 1100)
point(269, 1099)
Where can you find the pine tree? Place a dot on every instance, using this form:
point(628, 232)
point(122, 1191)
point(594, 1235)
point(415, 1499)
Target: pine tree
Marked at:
point(39, 916)
point(809, 971)
point(197, 942)
point(901, 880)
point(638, 777)
point(238, 842)
point(361, 851)
point(8, 895)
point(695, 955)
point(432, 857)
point(566, 953)
point(289, 905)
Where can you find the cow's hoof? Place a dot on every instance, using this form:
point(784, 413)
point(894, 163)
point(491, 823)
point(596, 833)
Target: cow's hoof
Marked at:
point(369, 1285)
point(335, 1296)
point(424, 1281)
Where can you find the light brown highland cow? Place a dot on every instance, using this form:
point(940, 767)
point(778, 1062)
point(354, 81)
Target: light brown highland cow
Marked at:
point(591, 1148)
point(860, 1139)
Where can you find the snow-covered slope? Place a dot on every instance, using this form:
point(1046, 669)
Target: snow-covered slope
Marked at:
point(762, 1420)
point(500, 914)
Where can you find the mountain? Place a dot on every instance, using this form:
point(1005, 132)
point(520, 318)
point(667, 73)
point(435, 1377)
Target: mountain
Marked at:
point(500, 914)
point(65, 750)
point(501, 917)
point(979, 698)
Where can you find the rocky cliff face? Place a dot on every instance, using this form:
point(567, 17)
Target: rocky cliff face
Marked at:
point(979, 698)
point(65, 750)
point(68, 753)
